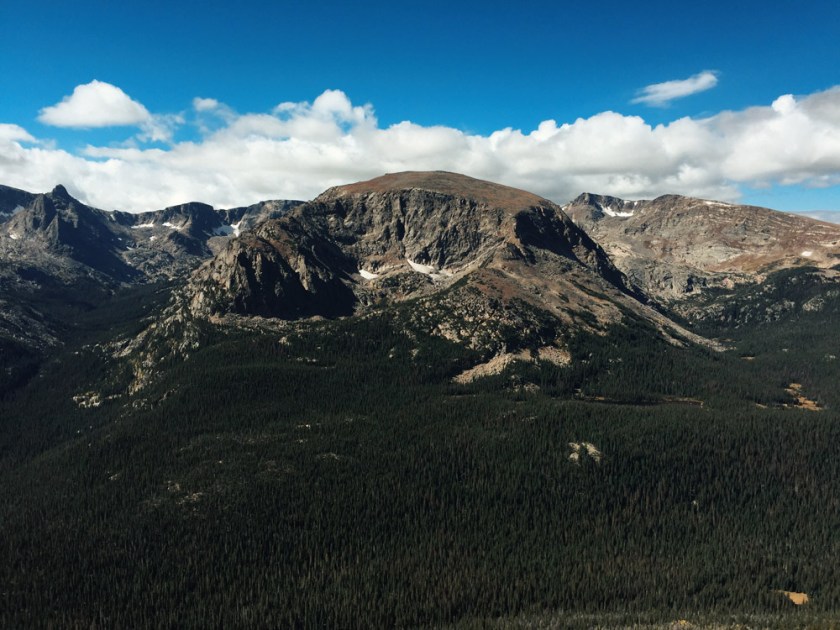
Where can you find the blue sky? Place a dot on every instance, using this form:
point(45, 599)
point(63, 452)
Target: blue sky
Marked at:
point(421, 85)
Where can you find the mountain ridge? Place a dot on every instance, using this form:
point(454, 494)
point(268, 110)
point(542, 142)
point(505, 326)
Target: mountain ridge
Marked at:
point(674, 247)
point(60, 257)
point(120, 245)
point(490, 252)
point(391, 228)
point(499, 278)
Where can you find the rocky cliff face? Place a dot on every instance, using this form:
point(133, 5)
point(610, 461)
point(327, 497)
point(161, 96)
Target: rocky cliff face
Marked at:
point(56, 228)
point(64, 237)
point(13, 200)
point(675, 247)
point(487, 266)
point(58, 252)
point(394, 237)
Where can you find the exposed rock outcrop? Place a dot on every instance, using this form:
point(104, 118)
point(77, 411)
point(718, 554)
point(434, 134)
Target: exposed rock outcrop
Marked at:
point(13, 200)
point(55, 250)
point(491, 268)
point(675, 247)
point(396, 237)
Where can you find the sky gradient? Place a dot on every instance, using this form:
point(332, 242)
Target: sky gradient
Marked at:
point(141, 105)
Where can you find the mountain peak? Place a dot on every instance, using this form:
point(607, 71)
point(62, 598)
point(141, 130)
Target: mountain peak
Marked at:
point(60, 192)
point(445, 183)
point(478, 245)
point(588, 198)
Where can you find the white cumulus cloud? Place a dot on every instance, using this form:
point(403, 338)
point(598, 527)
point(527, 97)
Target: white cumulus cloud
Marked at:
point(299, 149)
point(11, 133)
point(660, 94)
point(205, 104)
point(95, 104)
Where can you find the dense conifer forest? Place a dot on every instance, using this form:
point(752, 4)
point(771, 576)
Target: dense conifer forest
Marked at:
point(333, 476)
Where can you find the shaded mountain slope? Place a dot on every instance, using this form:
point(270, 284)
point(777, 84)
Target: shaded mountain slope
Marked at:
point(59, 257)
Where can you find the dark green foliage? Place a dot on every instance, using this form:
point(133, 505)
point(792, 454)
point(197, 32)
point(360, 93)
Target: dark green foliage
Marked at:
point(785, 296)
point(333, 476)
point(18, 363)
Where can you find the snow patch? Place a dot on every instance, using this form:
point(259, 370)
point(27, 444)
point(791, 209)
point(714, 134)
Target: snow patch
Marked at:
point(227, 230)
point(426, 269)
point(367, 275)
point(807, 253)
point(142, 225)
point(14, 237)
point(430, 270)
point(174, 227)
point(612, 213)
point(151, 238)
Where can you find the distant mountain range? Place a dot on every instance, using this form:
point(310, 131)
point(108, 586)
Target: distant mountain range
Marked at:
point(58, 253)
point(118, 246)
point(674, 247)
point(466, 249)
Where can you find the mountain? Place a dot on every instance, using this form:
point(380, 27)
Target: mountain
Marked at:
point(13, 200)
point(673, 245)
point(57, 230)
point(58, 255)
point(458, 249)
point(398, 236)
point(492, 268)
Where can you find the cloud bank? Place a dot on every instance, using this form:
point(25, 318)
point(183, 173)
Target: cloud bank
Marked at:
point(95, 104)
point(100, 104)
point(661, 94)
point(299, 149)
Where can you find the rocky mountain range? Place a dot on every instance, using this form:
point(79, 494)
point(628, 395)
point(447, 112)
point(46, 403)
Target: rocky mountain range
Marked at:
point(495, 269)
point(411, 235)
point(673, 247)
point(394, 238)
point(56, 230)
point(58, 255)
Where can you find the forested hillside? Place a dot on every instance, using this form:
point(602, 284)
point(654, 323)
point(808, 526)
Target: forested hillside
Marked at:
point(332, 474)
